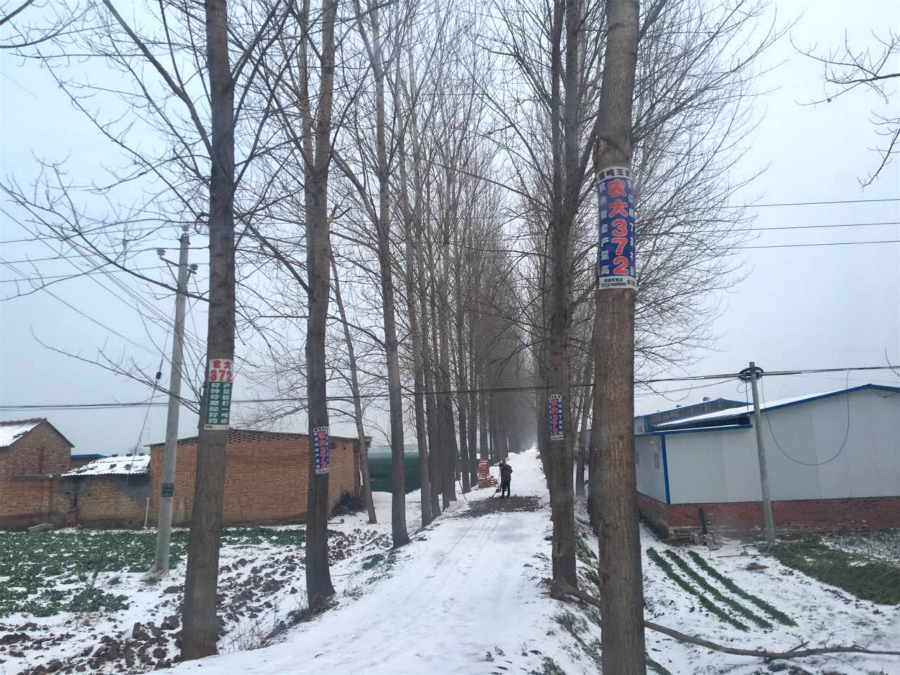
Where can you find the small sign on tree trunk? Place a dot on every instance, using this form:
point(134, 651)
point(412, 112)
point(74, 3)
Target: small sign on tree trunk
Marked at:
point(219, 379)
point(615, 263)
point(556, 417)
point(322, 444)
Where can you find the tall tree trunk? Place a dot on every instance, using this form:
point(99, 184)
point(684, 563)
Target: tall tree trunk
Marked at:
point(622, 600)
point(503, 431)
point(541, 414)
point(411, 264)
point(473, 409)
point(492, 452)
point(461, 398)
point(428, 376)
point(483, 445)
point(317, 130)
point(449, 450)
point(594, 470)
point(439, 447)
point(565, 130)
point(200, 632)
point(586, 406)
point(357, 401)
point(399, 534)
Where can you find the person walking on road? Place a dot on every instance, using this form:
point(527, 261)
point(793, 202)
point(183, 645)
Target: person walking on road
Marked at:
point(505, 478)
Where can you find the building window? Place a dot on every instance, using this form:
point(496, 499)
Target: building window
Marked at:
point(637, 457)
point(656, 459)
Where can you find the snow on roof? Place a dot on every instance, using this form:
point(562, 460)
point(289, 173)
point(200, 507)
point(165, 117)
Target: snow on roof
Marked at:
point(766, 405)
point(13, 430)
point(127, 465)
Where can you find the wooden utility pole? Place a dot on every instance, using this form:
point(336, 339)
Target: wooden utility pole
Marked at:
point(753, 373)
point(200, 631)
point(167, 482)
point(622, 598)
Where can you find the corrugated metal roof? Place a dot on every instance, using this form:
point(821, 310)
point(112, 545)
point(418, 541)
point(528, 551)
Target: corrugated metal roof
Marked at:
point(730, 413)
point(126, 465)
point(13, 430)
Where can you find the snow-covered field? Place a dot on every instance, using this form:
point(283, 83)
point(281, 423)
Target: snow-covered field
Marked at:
point(465, 597)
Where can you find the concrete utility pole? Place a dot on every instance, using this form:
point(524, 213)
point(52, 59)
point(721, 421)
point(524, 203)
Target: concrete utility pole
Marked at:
point(754, 373)
point(167, 483)
point(622, 598)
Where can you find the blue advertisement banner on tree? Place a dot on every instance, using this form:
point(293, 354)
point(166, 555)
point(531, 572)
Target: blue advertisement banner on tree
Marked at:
point(556, 417)
point(615, 257)
point(323, 449)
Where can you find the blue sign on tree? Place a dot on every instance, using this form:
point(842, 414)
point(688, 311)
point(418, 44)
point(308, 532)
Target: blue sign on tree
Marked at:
point(322, 444)
point(615, 261)
point(556, 417)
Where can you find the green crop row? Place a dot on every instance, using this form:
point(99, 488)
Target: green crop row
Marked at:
point(776, 614)
point(704, 601)
point(712, 590)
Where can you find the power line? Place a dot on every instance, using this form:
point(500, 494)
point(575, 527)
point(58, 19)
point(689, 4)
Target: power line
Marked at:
point(75, 275)
point(493, 390)
point(830, 243)
point(812, 227)
point(822, 203)
point(78, 311)
point(801, 462)
point(83, 256)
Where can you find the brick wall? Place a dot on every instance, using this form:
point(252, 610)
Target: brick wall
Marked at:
point(106, 501)
point(744, 518)
point(28, 493)
point(266, 477)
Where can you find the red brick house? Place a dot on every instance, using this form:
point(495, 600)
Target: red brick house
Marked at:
point(266, 476)
point(109, 492)
point(33, 454)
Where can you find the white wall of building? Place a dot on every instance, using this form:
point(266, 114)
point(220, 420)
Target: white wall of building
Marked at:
point(808, 456)
point(649, 466)
point(713, 466)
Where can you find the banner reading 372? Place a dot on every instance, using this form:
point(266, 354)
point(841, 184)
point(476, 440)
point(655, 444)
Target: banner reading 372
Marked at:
point(615, 263)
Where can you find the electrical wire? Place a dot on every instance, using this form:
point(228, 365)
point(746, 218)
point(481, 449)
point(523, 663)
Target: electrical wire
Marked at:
point(78, 311)
point(846, 432)
point(408, 394)
point(830, 243)
point(822, 203)
point(77, 275)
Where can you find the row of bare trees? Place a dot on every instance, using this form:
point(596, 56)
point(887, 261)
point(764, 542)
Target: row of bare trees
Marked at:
point(403, 189)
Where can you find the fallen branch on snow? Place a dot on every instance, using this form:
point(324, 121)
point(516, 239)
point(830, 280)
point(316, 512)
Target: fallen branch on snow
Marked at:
point(559, 588)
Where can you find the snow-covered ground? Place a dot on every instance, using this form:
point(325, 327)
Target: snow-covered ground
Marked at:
point(466, 597)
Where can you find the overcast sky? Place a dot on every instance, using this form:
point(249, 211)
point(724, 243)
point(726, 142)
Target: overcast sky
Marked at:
point(808, 307)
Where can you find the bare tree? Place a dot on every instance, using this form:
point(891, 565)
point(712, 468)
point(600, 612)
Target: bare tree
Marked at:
point(363, 448)
point(847, 69)
point(622, 607)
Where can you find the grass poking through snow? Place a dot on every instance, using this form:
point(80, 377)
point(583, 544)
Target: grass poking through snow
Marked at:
point(866, 579)
point(776, 614)
point(704, 601)
point(713, 591)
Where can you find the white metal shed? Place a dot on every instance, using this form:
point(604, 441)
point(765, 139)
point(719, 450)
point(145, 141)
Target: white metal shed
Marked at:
point(841, 444)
